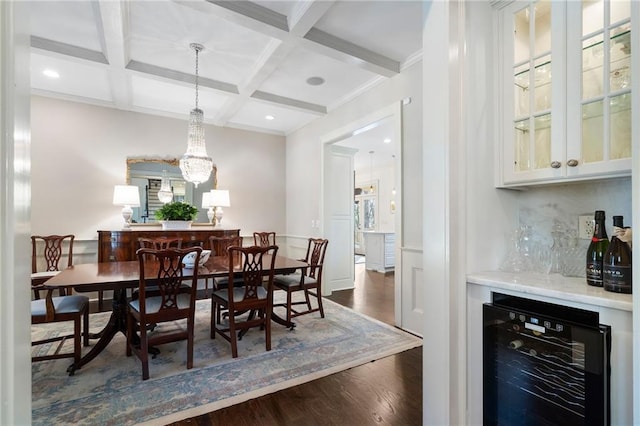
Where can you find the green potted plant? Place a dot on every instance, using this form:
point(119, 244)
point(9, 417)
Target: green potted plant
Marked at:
point(176, 215)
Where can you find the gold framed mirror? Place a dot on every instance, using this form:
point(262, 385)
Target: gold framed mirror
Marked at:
point(146, 172)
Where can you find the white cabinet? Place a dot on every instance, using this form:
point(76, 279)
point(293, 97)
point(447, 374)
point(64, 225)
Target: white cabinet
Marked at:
point(380, 249)
point(564, 78)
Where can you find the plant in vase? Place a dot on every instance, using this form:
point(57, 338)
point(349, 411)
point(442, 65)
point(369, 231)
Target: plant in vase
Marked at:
point(176, 215)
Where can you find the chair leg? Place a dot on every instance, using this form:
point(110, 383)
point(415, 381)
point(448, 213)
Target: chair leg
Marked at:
point(100, 300)
point(319, 298)
point(214, 310)
point(289, 307)
point(77, 341)
point(306, 297)
point(190, 332)
point(144, 352)
point(267, 329)
point(85, 327)
point(129, 334)
point(233, 336)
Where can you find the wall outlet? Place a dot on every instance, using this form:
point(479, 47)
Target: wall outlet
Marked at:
point(585, 227)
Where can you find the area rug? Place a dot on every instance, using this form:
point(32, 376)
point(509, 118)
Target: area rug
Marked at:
point(110, 391)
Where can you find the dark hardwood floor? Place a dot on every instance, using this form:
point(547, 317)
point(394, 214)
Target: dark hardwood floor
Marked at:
point(383, 392)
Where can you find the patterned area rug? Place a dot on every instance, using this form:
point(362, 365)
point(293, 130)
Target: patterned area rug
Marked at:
point(110, 391)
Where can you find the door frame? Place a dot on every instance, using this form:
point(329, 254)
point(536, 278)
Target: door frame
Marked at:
point(394, 112)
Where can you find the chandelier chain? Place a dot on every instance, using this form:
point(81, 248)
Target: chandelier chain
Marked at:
point(197, 49)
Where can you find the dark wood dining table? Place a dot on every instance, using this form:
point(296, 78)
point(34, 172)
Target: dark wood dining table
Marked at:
point(120, 276)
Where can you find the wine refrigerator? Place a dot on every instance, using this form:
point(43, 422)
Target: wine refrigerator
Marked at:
point(544, 364)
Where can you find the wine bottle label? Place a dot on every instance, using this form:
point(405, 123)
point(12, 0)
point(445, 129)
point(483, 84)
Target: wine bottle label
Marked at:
point(617, 278)
point(594, 273)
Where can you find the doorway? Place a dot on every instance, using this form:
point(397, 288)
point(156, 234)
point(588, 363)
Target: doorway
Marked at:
point(376, 209)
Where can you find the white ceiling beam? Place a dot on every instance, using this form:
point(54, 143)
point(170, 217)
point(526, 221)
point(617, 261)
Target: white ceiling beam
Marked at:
point(269, 27)
point(306, 14)
point(289, 102)
point(68, 50)
point(342, 50)
point(112, 22)
point(273, 54)
point(255, 12)
point(170, 74)
point(258, 18)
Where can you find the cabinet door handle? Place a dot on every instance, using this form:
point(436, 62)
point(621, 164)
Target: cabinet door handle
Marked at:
point(556, 164)
point(572, 163)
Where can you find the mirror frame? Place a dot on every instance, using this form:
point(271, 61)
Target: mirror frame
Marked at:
point(171, 161)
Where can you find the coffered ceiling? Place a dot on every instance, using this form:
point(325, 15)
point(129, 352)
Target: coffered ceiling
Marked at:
point(261, 58)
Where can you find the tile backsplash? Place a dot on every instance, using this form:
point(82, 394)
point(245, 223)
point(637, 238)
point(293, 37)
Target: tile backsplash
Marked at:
point(543, 207)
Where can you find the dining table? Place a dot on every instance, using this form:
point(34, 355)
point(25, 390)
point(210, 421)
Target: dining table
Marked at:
point(120, 276)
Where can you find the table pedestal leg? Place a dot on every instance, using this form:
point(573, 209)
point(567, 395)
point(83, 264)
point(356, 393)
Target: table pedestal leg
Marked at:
point(117, 322)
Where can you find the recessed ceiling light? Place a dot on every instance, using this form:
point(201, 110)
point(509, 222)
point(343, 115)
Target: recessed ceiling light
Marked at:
point(51, 73)
point(387, 140)
point(269, 117)
point(315, 81)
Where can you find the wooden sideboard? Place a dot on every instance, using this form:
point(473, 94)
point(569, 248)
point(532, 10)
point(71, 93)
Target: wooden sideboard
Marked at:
point(122, 245)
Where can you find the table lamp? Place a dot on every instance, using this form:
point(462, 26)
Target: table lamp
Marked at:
point(126, 196)
point(219, 199)
point(206, 204)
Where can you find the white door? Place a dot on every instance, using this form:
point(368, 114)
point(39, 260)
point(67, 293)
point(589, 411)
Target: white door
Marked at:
point(338, 208)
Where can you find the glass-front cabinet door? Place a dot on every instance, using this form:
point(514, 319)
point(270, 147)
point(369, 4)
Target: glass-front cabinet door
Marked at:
point(564, 76)
point(600, 46)
point(533, 109)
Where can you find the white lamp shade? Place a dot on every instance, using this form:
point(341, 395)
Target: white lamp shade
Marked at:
point(220, 198)
point(126, 195)
point(206, 200)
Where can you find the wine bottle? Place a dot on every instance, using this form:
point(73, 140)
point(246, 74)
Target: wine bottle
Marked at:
point(597, 249)
point(616, 264)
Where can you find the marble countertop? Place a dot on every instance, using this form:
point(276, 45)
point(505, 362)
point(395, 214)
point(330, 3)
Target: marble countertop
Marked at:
point(553, 285)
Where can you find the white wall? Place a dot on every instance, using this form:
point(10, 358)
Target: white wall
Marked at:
point(79, 153)
point(304, 152)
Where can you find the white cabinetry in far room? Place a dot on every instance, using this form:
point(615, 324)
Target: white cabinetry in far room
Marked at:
point(564, 82)
point(380, 249)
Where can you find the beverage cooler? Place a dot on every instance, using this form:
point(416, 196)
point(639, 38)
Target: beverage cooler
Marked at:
point(544, 364)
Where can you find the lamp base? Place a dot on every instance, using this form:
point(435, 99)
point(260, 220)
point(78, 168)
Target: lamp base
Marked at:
point(127, 213)
point(218, 217)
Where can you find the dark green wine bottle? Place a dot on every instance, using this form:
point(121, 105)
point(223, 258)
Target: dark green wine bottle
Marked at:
point(597, 249)
point(616, 265)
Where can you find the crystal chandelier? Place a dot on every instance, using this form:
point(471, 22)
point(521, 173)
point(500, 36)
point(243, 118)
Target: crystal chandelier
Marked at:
point(165, 195)
point(195, 164)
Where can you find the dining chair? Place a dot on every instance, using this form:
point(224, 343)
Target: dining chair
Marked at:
point(160, 243)
point(309, 281)
point(264, 239)
point(219, 247)
point(253, 297)
point(51, 248)
point(59, 309)
point(167, 303)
